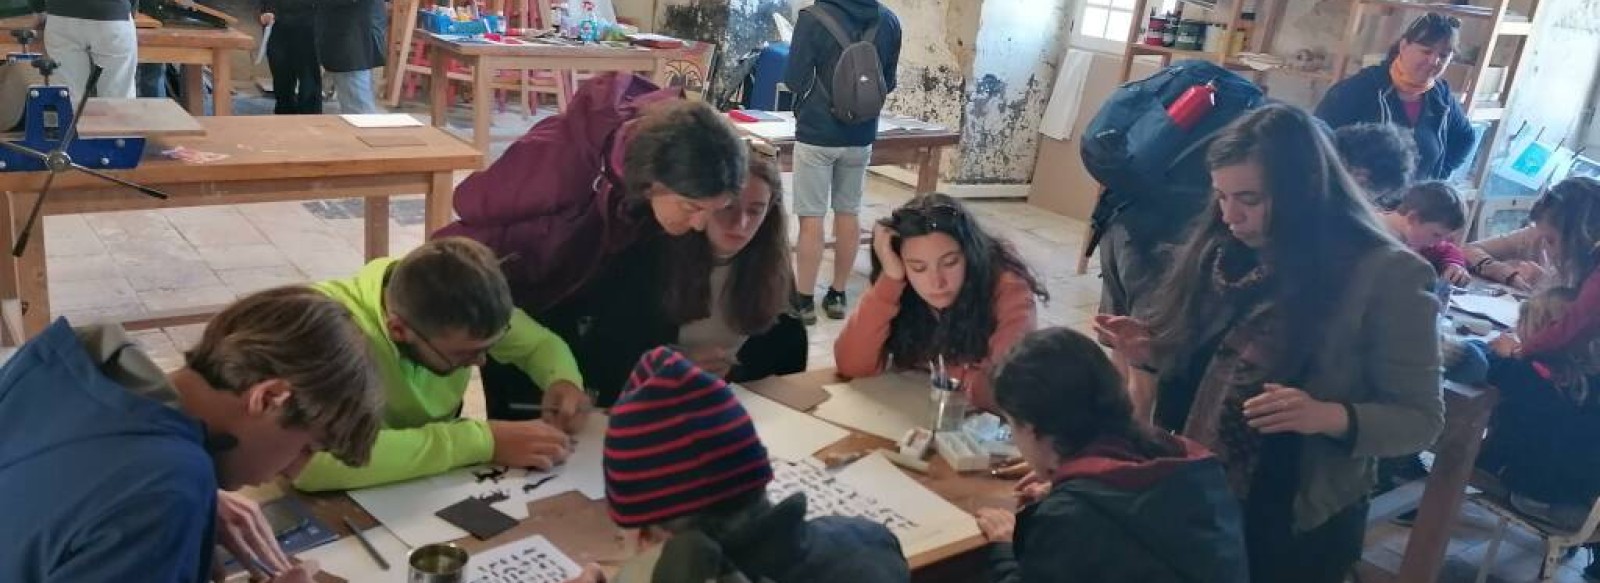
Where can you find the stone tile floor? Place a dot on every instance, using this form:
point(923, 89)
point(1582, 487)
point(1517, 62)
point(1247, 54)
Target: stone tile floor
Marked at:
point(119, 265)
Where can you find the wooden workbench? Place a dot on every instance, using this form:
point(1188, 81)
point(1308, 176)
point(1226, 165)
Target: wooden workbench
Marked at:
point(192, 48)
point(959, 561)
point(270, 159)
point(486, 59)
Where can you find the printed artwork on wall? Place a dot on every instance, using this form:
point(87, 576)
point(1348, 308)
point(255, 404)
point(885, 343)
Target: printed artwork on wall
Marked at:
point(691, 70)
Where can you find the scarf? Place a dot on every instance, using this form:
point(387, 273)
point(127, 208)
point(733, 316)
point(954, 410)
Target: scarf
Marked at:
point(1238, 368)
point(1410, 89)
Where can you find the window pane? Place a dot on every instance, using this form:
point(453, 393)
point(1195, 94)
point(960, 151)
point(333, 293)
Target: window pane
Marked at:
point(1094, 22)
point(1123, 4)
point(1117, 26)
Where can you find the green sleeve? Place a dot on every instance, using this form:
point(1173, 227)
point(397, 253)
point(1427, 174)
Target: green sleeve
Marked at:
point(536, 350)
point(404, 454)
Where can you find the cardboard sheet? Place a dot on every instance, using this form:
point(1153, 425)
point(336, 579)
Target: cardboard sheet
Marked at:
point(887, 405)
point(787, 433)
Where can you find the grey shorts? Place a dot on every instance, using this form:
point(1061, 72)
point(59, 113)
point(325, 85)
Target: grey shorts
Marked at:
point(827, 176)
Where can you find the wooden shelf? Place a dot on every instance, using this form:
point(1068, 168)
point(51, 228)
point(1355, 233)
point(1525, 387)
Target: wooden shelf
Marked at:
point(1439, 8)
point(1176, 53)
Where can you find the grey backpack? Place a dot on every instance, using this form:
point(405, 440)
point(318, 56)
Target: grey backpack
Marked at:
point(857, 90)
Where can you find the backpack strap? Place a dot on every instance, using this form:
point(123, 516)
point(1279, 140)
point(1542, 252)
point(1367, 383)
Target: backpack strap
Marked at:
point(830, 23)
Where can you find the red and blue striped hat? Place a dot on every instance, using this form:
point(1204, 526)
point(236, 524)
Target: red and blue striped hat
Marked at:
point(678, 442)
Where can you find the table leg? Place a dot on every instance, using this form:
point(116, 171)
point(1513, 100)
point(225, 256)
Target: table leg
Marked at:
point(408, 29)
point(1457, 451)
point(438, 85)
point(33, 289)
point(439, 202)
point(221, 83)
point(194, 89)
point(482, 106)
point(928, 160)
point(8, 264)
point(377, 228)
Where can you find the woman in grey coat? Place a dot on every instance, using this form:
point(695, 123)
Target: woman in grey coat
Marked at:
point(1296, 339)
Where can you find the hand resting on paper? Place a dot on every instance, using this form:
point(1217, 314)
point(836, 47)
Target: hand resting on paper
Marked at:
point(566, 406)
point(591, 574)
point(303, 572)
point(529, 444)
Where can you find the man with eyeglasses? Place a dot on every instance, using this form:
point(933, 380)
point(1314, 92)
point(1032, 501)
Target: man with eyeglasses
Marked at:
point(430, 316)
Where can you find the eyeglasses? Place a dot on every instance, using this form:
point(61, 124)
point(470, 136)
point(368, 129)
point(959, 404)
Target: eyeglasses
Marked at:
point(471, 357)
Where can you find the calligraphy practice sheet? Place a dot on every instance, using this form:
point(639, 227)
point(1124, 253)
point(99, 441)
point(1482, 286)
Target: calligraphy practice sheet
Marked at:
point(408, 508)
point(530, 560)
point(874, 489)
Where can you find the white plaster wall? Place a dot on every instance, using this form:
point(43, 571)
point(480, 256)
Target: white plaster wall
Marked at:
point(1555, 86)
point(1019, 48)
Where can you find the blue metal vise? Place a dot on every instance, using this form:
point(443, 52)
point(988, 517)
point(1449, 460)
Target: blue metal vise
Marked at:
point(47, 116)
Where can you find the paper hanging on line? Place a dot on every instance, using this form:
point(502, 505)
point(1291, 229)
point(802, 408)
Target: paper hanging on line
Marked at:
point(408, 508)
point(531, 560)
point(350, 561)
point(874, 489)
point(1502, 309)
point(261, 52)
point(381, 120)
point(886, 405)
point(787, 433)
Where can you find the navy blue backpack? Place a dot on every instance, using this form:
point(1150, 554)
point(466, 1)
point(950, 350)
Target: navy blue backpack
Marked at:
point(1154, 172)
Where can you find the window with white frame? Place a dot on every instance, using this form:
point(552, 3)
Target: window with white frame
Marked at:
point(1103, 24)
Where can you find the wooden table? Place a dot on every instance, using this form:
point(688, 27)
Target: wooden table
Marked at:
point(192, 48)
point(959, 561)
point(270, 159)
point(486, 59)
point(921, 150)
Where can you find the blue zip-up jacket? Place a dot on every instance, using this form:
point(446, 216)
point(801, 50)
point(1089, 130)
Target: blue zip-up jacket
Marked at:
point(812, 56)
point(1444, 136)
point(98, 482)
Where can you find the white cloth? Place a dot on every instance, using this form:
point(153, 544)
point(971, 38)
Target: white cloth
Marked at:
point(1062, 112)
point(78, 44)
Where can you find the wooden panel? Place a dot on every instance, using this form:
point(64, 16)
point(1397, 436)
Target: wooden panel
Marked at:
point(137, 117)
point(550, 50)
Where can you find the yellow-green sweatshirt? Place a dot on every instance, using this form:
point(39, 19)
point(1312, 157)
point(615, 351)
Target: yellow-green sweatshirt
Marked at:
point(422, 434)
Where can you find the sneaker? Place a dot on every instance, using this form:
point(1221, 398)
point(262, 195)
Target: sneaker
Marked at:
point(1406, 518)
point(833, 304)
point(805, 309)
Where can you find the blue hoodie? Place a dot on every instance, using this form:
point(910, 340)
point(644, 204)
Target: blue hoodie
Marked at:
point(1443, 134)
point(812, 57)
point(102, 478)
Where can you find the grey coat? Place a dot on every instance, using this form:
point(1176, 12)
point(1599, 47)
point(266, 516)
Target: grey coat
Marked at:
point(1381, 357)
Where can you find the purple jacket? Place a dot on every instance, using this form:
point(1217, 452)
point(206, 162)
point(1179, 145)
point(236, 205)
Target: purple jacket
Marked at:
point(549, 206)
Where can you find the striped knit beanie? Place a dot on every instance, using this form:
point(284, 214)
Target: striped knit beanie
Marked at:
point(678, 442)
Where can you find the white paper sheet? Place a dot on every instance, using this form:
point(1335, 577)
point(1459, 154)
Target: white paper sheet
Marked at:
point(408, 508)
point(1502, 309)
point(771, 130)
point(350, 562)
point(382, 120)
point(787, 433)
point(887, 405)
point(1065, 97)
point(873, 488)
point(530, 560)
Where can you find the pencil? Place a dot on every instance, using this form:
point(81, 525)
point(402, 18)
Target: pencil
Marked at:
point(366, 544)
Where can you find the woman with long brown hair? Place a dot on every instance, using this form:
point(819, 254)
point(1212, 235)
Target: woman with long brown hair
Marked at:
point(1296, 339)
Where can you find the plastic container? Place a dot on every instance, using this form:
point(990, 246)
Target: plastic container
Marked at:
point(1154, 30)
point(1191, 35)
point(1215, 37)
point(1241, 35)
point(949, 410)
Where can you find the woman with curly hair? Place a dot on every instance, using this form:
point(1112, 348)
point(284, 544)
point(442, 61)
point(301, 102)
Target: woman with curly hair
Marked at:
point(942, 288)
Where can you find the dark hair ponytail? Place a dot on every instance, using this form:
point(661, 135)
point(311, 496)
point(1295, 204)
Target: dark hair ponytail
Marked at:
point(1060, 382)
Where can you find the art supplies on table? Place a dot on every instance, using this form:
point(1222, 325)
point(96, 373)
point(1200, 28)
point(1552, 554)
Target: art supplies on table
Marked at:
point(876, 490)
point(347, 559)
point(886, 405)
point(961, 451)
point(1503, 310)
point(787, 433)
point(949, 403)
point(408, 508)
point(295, 527)
point(530, 560)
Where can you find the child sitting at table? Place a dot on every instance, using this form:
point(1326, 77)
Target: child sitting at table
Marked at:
point(969, 298)
point(1429, 214)
point(1110, 499)
point(684, 466)
point(1542, 438)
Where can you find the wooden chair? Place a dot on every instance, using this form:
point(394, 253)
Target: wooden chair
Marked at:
point(1556, 540)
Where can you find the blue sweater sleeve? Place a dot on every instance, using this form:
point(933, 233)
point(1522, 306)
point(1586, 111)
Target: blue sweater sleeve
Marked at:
point(891, 61)
point(1338, 107)
point(157, 536)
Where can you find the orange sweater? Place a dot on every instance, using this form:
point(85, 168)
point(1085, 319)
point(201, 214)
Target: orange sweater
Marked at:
point(859, 350)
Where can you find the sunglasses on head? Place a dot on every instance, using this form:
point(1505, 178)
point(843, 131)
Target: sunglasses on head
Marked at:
point(941, 215)
point(1432, 20)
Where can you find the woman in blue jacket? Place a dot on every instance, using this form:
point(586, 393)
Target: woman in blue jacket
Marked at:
point(1406, 90)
